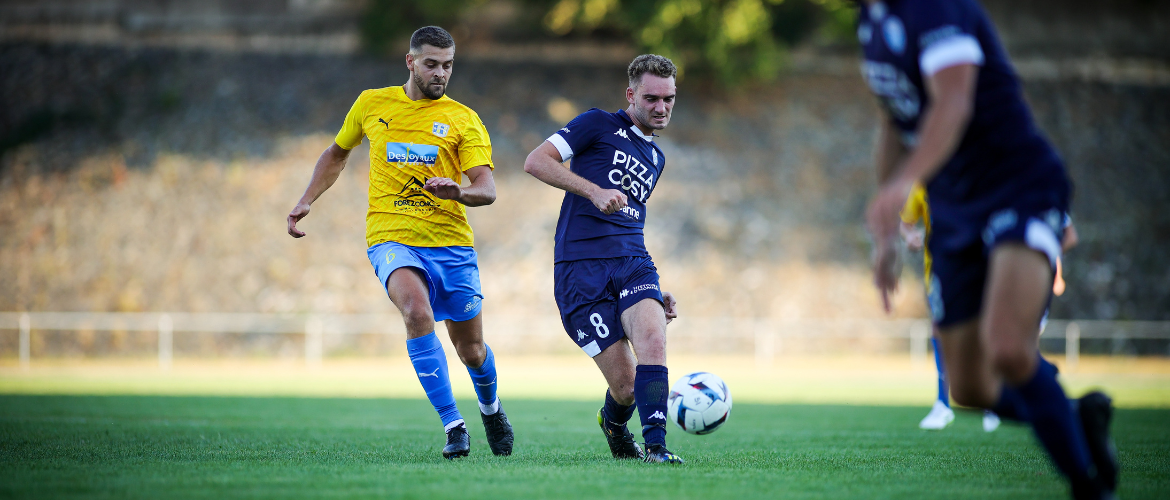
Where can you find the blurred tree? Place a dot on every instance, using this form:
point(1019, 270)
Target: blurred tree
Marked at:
point(731, 39)
point(385, 22)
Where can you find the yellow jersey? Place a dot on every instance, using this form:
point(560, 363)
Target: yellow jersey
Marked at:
point(917, 209)
point(410, 142)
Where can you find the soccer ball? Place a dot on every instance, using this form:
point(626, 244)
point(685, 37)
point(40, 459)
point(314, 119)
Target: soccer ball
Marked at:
point(699, 403)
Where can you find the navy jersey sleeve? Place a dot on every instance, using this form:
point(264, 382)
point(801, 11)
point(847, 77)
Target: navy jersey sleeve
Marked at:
point(945, 35)
point(579, 134)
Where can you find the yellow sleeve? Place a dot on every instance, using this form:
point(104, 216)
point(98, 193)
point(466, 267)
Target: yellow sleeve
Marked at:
point(475, 148)
point(351, 130)
point(915, 208)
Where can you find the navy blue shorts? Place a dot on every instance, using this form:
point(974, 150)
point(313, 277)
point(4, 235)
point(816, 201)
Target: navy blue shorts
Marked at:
point(961, 242)
point(593, 293)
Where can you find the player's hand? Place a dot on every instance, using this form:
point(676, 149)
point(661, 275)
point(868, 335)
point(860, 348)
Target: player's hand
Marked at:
point(608, 200)
point(883, 221)
point(298, 212)
point(670, 306)
point(887, 267)
point(443, 188)
point(915, 239)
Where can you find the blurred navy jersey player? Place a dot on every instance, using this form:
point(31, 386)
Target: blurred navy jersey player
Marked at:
point(956, 121)
point(605, 283)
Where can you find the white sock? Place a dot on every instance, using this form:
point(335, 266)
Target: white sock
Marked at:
point(452, 425)
point(490, 409)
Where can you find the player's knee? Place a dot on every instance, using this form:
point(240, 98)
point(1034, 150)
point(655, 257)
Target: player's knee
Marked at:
point(471, 354)
point(1014, 363)
point(418, 317)
point(973, 395)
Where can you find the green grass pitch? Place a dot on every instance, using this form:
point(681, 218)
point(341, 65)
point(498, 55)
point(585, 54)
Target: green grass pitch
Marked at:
point(235, 447)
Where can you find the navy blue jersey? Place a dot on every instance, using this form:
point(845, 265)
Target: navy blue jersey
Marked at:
point(1001, 153)
point(608, 150)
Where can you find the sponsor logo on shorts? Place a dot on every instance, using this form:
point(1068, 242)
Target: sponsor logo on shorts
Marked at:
point(998, 223)
point(471, 305)
point(639, 288)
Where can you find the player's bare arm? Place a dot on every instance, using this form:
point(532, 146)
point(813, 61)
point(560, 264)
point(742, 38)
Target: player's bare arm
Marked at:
point(481, 191)
point(952, 95)
point(545, 164)
point(329, 166)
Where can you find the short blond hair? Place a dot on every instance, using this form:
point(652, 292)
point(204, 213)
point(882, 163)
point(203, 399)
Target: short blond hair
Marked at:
point(650, 63)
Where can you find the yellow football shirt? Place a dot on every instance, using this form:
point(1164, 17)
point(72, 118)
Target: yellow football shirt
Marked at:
point(917, 209)
point(410, 142)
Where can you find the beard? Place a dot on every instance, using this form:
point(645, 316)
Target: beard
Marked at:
point(426, 89)
point(643, 116)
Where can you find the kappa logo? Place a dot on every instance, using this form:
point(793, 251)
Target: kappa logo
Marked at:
point(565, 130)
point(440, 129)
point(580, 335)
point(431, 374)
point(657, 414)
point(622, 132)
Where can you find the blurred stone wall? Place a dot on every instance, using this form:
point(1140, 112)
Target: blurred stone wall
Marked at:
point(156, 176)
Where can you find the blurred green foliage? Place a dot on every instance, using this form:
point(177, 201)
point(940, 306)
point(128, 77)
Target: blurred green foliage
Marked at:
point(731, 39)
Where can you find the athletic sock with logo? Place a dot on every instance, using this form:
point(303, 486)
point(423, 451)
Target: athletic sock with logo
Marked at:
point(484, 379)
point(1054, 422)
point(430, 364)
point(943, 396)
point(615, 412)
point(650, 389)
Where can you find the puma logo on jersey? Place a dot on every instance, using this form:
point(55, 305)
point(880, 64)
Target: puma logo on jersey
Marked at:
point(386, 123)
point(622, 132)
point(658, 415)
point(431, 374)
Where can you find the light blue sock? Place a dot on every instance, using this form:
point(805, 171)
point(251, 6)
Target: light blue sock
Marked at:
point(430, 364)
point(484, 379)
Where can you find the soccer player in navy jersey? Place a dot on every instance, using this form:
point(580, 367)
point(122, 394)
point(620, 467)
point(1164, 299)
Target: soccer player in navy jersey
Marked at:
point(605, 283)
point(957, 122)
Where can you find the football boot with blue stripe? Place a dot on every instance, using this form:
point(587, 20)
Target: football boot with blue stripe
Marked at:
point(658, 454)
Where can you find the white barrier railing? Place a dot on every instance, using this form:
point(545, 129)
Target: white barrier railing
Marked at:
point(765, 337)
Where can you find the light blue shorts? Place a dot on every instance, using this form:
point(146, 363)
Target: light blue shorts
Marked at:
point(452, 275)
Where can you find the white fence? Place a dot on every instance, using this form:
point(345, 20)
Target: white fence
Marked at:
point(764, 337)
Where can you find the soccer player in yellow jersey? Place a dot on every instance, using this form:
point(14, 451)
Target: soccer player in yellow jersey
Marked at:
point(422, 143)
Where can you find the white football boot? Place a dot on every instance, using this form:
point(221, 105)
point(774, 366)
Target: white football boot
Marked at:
point(990, 421)
point(939, 417)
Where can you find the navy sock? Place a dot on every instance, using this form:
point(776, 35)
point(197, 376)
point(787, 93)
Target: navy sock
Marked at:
point(430, 364)
point(1011, 405)
point(615, 412)
point(942, 374)
point(650, 389)
point(484, 379)
point(1054, 423)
